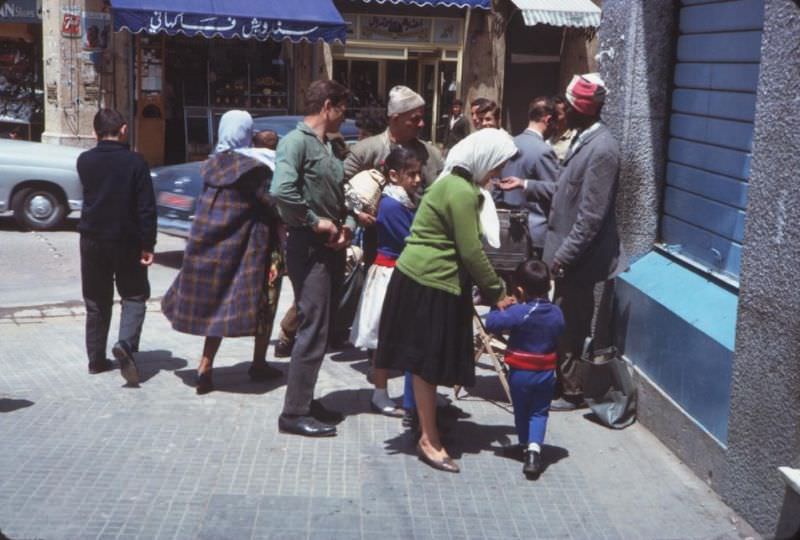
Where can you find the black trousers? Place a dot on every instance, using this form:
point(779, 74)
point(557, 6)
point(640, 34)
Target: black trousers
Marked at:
point(580, 306)
point(102, 265)
point(317, 274)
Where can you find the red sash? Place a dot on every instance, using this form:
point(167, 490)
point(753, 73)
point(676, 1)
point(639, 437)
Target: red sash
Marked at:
point(385, 260)
point(531, 361)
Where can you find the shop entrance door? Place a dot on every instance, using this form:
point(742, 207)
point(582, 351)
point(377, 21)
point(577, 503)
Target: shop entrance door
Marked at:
point(438, 85)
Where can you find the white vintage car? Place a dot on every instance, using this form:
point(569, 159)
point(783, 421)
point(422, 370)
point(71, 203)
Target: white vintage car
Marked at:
point(39, 182)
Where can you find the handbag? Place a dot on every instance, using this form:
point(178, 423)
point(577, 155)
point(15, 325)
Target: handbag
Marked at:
point(608, 386)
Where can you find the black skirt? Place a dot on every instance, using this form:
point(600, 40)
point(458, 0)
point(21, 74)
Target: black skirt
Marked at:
point(427, 331)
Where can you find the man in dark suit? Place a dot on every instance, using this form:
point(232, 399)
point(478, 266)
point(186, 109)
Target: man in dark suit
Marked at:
point(582, 245)
point(535, 162)
point(456, 128)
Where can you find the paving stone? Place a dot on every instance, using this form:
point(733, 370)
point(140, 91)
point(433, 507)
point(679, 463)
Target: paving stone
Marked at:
point(83, 457)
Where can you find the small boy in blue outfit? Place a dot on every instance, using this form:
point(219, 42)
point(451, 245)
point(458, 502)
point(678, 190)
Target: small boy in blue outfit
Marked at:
point(535, 326)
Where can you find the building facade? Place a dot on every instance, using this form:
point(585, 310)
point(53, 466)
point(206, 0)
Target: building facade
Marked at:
point(702, 102)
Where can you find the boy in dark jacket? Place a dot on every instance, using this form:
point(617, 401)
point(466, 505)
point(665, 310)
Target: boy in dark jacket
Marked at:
point(535, 325)
point(118, 235)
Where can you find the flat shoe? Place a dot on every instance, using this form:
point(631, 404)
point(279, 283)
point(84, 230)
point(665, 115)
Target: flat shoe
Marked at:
point(447, 464)
point(205, 383)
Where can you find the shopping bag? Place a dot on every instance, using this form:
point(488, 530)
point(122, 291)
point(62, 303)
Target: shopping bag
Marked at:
point(608, 386)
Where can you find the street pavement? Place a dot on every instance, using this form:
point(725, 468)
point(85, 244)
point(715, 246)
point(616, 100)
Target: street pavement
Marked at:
point(87, 457)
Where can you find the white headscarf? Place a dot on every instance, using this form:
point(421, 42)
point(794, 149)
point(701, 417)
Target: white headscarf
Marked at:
point(479, 153)
point(235, 131)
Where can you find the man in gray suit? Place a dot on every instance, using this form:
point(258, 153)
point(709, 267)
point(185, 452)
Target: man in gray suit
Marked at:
point(535, 162)
point(582, 245)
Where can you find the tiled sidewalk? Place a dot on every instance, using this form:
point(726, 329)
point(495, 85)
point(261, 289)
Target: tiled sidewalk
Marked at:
point(83, 457)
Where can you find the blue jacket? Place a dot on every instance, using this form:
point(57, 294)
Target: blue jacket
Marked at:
point(535, 326)
point(394, 225)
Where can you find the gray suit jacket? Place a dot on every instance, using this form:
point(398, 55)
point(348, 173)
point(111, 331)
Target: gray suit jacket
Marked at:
point(582, 228)
point(371, 152)
point(535, 162)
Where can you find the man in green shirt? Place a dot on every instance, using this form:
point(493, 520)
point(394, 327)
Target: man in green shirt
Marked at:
point(308, 188)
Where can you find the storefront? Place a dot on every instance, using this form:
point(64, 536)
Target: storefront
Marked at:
point(421, 47)
point(21, 108)
point(193, 65)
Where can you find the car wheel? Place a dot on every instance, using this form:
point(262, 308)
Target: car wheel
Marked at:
point(38, 208)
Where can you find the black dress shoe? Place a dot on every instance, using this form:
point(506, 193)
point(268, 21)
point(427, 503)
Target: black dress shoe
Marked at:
point(205, 383)
point(261, 371)
point(305, 425)
point(100, 366)
point(127, 365)
point(533, 465)
point(283, 349)
point(323, 414)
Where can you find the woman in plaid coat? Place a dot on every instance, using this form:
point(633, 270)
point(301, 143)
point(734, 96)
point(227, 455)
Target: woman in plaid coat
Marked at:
point(224, 286)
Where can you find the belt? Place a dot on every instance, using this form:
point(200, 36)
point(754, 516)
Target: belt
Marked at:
point(531, 361)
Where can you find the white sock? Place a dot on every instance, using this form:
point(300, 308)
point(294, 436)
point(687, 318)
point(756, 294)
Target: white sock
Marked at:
point(533, 447)
point(380, 398)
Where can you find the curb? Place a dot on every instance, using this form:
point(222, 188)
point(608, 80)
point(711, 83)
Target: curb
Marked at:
point(72, 309)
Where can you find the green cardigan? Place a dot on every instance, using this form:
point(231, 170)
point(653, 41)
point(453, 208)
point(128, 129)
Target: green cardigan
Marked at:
point(445, 238)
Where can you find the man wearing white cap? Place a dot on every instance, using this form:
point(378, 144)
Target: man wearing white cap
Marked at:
point(406, 110)
point(582, 245)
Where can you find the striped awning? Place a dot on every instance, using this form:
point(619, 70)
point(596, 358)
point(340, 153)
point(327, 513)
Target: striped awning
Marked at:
point(479, 4)
point(575, 13)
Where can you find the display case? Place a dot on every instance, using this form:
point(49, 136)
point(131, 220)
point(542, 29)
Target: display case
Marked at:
point(248, 76)
point(21, 95)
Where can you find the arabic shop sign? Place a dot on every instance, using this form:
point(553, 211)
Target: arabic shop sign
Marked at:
point(20, 11)
point(192, 24)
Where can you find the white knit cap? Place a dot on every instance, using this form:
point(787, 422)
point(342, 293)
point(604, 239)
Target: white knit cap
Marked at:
point(403, 99)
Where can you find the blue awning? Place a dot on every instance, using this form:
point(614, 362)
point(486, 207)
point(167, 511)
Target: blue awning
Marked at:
point(481, 4)
point(295, 20)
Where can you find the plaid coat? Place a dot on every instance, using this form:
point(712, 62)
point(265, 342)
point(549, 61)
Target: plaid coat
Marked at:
point(221, 289)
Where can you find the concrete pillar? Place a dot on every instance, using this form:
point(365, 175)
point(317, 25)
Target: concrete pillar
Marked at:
point(764, 424)
point(74, 89)
point(636, 43)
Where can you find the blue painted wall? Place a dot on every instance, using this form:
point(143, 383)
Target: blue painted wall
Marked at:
point(679, 329)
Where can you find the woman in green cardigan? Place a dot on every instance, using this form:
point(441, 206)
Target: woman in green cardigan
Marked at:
point(426, 323)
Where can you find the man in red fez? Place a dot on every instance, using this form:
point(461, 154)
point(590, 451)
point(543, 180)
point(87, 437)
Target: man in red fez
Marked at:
point(582, 245)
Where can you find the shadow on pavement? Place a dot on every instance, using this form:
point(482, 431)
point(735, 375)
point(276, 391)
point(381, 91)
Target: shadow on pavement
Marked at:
point(170, 259)
point(234, 379)
point(11, 405)
point(349, 402)
point(149, 363)
point(487, 387)
point(350, 355)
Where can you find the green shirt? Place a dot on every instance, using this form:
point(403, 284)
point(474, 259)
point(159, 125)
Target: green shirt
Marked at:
point(309, 178)
point(445, 238)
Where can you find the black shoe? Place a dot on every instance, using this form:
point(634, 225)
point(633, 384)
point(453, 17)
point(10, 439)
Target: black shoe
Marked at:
point(305, 425)
point(100, 366)
point(261, 371)
point(283, 349)
point(323, 414)
point(533, 465)
point(205, 383)
point(127, 365)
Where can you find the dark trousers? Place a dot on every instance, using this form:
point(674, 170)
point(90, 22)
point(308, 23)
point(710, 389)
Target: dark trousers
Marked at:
point(316, 273)
point(102, 265)
point(531, 394)
point(577, 302)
